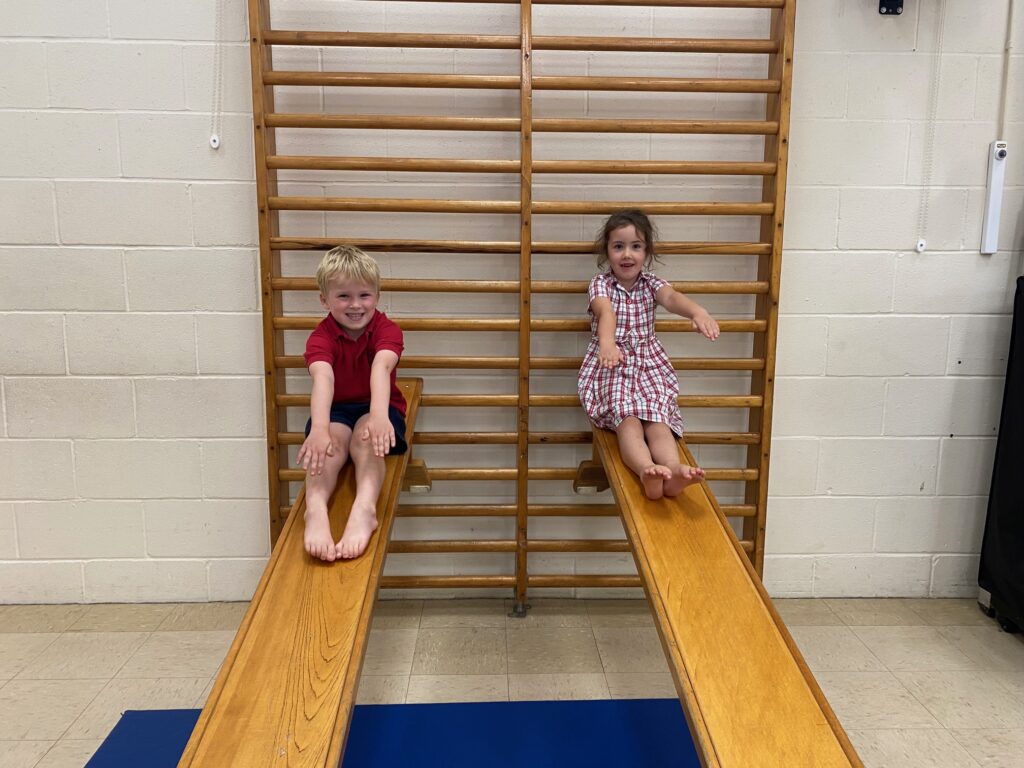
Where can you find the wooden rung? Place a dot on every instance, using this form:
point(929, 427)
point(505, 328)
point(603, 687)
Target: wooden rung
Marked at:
point(467, 438)
point(731, 287)
point(573, 510)
point(390, 80)
point(723, 438)
point(423, 286)
point(541, 580)
point(285, 692)
point(542, 124)
point(442, 582)
point(540, 247)
point(692, 167)
point(547, 401)
point(396, 205)
point(451, 165)
point(455, 510)
point(726, 326)
point(658, 209)
point(662, 84)
point(577, 545)
point(512, 82)
point(508, 42)
point(392, 122)
point(404, 164)
point(738, 510)
point(309, 322)
point(534, 473)
point(412, 362)
point(453, 545)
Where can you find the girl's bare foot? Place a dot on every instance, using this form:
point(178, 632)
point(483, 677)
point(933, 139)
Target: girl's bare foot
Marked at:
point(362, 522)
point(682, 476)
point(654, 478)
point(317, 536)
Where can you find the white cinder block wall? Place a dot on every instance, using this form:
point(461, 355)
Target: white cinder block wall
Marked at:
point(131, 440)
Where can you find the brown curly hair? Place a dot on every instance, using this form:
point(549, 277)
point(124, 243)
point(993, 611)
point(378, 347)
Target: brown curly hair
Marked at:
point(624, 218)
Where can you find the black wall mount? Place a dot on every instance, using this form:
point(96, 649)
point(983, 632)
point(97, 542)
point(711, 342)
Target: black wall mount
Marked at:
point(890, 7)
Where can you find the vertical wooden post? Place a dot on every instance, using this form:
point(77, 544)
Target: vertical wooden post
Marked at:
point(270, 261)
point(776, 149)
point(525, 288)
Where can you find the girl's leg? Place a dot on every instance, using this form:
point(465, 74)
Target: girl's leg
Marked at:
point(637, 456)
point(665, 451)
point(362, 518)
point(317, 537)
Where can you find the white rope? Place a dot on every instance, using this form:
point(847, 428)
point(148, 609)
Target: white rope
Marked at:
point(929, 139)
point(217, 107)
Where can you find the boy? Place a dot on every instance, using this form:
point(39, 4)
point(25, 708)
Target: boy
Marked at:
point(356, 409)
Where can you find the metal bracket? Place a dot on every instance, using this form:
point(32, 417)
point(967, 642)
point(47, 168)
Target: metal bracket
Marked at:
point(890, 7)
point(417, 477)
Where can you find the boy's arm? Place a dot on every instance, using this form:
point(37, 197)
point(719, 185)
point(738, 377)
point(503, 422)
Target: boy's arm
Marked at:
point(317, 447)
point(378, 427)
point(682, 305)
point(608, 354)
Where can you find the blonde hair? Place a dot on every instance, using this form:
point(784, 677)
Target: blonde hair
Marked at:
point(347, 262)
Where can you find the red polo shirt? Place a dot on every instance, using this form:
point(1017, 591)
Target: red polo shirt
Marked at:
point(352, 358)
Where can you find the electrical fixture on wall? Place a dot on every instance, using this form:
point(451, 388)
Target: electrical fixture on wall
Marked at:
point(994, 196)
point(890, 7)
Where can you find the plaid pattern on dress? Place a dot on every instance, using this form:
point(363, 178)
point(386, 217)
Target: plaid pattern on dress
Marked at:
point(644, 384)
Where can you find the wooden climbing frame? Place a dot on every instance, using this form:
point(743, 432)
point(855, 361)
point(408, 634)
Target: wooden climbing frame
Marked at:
point(518, 255)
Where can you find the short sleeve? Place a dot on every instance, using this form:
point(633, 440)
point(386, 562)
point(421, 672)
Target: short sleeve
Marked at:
point(319, 347)
point(389, 336)
point(598, 287)
point(655, 282)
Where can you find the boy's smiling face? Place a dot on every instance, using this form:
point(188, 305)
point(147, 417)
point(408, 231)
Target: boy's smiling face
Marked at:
point(352, 304)
point(627, 253)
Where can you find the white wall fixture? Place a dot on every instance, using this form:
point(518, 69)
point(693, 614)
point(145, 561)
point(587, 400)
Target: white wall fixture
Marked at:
point(998, 151)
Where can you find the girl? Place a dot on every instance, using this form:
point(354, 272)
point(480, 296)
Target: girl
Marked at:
point(627, 382)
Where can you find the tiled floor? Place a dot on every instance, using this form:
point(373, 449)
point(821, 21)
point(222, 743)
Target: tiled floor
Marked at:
point(915, 682)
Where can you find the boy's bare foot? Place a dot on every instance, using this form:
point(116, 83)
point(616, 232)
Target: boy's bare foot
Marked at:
point(362, 522)
point(654, 478)
point(682, 476)
point(317, 537)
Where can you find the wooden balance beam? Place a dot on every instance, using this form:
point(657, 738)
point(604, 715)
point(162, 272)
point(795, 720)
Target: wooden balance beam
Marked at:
point(285, 692)
point(750, 699)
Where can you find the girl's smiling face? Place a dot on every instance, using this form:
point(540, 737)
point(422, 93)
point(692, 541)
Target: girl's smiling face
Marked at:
point(627, 252)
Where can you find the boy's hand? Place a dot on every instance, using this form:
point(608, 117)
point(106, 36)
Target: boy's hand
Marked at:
point(315, 450)
point(380, 433)
point(706, 325)
point(609, 355)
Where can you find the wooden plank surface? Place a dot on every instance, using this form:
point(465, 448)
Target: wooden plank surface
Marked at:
point(749, 698)
point(285, 693)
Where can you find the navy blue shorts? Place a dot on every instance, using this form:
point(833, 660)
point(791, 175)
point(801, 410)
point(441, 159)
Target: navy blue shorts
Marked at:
point(349, 413)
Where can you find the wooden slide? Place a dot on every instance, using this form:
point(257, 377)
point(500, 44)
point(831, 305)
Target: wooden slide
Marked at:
point(749, 698)
point(285, 693)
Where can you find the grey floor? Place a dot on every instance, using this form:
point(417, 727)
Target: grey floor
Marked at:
point(915, 682)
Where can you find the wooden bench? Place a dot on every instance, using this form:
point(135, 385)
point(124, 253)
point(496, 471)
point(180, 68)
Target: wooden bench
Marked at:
point(285, 693)
point(749, 698)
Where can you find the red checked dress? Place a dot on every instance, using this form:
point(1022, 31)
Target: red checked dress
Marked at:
point(644, 384)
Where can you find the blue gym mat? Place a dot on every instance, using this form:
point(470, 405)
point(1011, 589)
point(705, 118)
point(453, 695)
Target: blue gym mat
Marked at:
point(636, 733)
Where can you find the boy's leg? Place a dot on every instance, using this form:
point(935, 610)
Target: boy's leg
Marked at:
point(317, 536)
point(362, 519)
point(665, 451)
point(637, 456)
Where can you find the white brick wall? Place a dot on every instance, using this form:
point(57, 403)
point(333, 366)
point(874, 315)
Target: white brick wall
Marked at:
point(132, 463)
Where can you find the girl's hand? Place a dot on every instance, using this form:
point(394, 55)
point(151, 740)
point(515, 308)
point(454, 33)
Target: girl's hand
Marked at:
point(609, 355)
point(381, 435)
point(315, 450)
point(706, 325)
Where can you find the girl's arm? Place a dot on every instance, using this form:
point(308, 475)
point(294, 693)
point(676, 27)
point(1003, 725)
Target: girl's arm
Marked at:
point(608, 354)
point(682, 305)
point(317, 447)
point(378, 430)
